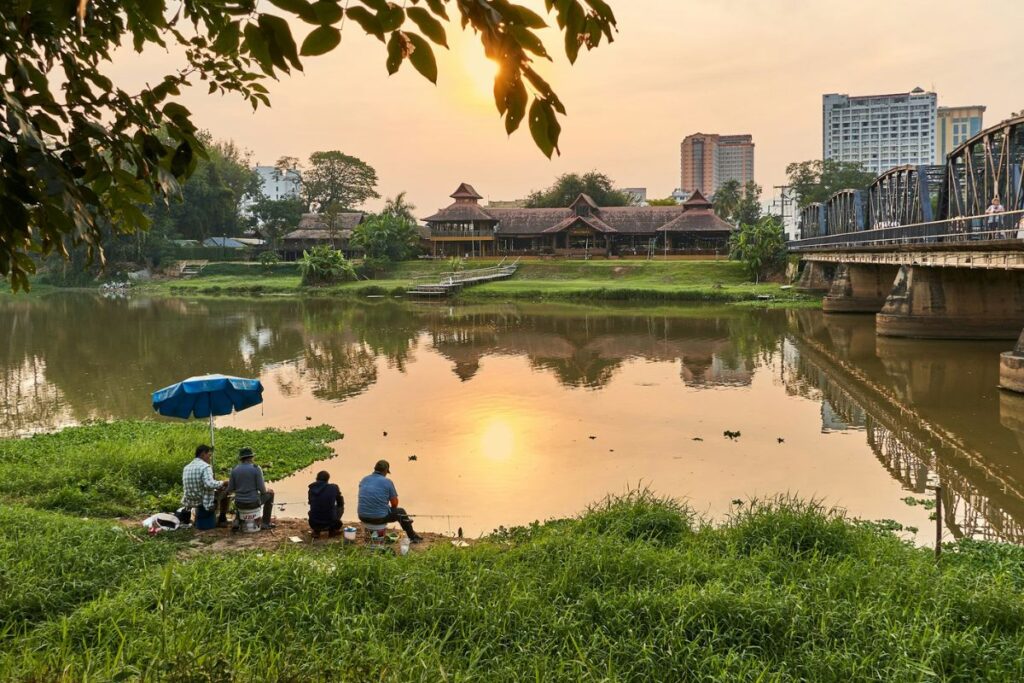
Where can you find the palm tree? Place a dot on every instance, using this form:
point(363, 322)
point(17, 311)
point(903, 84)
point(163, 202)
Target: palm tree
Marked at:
point(727, 199)
point(398, 207)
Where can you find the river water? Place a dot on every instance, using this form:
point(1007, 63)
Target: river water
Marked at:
point(522, 412)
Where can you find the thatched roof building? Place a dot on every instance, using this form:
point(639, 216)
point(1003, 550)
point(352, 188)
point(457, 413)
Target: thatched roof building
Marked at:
point(465, 227)
point(314, 230)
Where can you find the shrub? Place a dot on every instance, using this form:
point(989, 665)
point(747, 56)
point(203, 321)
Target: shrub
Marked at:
point(269, 258)
point(324, 265)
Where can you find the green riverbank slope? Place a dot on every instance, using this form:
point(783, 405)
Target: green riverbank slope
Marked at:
point(625, 280)
point(636, 588)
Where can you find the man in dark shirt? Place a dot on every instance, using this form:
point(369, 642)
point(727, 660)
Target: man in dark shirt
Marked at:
point(378, 501)
point(250, 490)
point(326, 506)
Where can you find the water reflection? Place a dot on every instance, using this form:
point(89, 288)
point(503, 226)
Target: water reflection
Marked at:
point(931, 411)
point(506, 396)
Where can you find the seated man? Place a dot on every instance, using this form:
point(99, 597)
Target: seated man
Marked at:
point(326, 506)
point(202, 491)
point(250, 490)
point(378, 501)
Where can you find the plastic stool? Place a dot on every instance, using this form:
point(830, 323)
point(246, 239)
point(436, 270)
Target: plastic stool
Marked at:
point(376, 534)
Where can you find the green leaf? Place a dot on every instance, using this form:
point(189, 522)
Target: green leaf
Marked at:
point(396, 50)
point(422, 57)
point(256, 44)
point(320, 41)
point(279, 38)
point(529, 41)
point(300, 8)
point(437, 7)
point(428, 25)
point(328, 12)
point(368, 21)
point(515, 101)
point(391, 17)
point(539, 128)
point(226, 42)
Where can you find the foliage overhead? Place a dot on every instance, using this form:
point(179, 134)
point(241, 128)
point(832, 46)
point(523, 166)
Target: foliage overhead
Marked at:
point(336, 180)
point(817, 180)
point(569, 186)
point(760, 246)
point(79, 151)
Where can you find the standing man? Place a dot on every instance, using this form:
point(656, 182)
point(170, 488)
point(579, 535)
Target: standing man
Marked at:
point(250, 490)
point(378, 501)
point(200, 490)
point(994, 217)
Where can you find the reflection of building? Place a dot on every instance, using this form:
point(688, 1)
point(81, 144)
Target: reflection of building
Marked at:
point(709, 161)
point(879, 131)
point(953, 126)
point(321, 229)
point(465, 227)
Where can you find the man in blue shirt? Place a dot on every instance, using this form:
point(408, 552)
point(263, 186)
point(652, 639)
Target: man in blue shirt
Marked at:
point(378, 501)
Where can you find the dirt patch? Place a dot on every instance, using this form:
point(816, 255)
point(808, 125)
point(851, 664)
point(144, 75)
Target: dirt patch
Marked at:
point(224, 540)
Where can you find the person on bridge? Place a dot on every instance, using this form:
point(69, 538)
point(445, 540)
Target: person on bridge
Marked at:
point(994, 215)
point(249, 487)
point(378, 501)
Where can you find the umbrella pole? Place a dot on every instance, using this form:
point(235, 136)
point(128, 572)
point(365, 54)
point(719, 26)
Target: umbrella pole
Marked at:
point(211, 430)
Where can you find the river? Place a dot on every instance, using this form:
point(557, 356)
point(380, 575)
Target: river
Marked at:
point(523, 412)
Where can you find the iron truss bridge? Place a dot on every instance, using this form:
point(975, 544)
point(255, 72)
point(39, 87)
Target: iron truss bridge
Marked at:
point(930, 203)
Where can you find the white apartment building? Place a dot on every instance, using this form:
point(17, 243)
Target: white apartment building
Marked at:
point(880, 131)
point(275, 185)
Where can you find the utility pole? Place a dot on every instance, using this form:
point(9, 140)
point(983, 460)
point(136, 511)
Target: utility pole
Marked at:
point(783, 202)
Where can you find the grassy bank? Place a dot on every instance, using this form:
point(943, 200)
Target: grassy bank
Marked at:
point(634, 589)
point(129, 467)
point(622, 280)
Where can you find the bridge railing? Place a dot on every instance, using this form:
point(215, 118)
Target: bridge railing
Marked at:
point(1006, 225)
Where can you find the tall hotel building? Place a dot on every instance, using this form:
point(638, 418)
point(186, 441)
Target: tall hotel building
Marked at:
point(708, 161)
point(880, 131)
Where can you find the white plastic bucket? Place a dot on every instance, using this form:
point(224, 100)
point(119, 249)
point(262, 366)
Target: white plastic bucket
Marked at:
point(349, 533)
point(251, 519)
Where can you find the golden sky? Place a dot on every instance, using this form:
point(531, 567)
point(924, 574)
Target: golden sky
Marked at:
point(676, 67)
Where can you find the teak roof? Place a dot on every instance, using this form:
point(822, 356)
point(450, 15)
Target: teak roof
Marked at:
point(312, 226)
point(696, 214)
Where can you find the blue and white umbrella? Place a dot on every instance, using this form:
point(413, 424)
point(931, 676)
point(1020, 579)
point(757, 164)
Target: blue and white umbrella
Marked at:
point(207, 396)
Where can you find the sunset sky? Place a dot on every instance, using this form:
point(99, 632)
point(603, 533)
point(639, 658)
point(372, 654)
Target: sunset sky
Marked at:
point(676, 67)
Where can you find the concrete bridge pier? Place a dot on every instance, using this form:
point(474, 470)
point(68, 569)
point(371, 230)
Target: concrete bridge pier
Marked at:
point(1011, 369)
point(929, 302)
point(816, 277)
point(859, 288)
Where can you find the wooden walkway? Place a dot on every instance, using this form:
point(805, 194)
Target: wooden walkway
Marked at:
point(448, 283)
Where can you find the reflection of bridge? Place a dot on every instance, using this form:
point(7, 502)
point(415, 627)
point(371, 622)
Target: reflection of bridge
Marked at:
point(928, 249)
point(981, 497)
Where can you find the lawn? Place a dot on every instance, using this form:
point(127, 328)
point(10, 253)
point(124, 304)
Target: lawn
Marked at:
point(635, 589)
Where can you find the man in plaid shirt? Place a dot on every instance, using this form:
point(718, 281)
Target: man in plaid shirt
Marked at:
point(200, 489)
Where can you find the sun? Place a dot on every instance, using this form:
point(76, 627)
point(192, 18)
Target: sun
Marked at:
point(479, 74)
point(497, 439)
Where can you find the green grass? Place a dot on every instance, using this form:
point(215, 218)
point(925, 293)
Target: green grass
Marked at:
point(130, 467)
point(50, 563)
point(636, 589)
point(616, 280)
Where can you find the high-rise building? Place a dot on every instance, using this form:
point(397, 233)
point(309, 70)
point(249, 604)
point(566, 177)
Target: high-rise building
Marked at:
point(275, 184)
point(880, 131)
point(954, 125)
point(708, 160)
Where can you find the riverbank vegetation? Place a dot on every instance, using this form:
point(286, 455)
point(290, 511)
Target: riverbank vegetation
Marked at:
point(636, 588)
point(615, 280)
point(131, 466)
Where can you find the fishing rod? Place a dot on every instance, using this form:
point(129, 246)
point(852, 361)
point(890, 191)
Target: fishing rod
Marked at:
point(296, 502)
